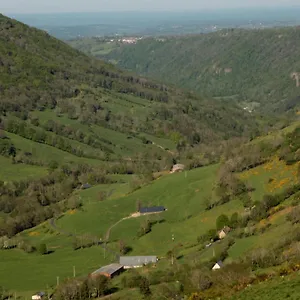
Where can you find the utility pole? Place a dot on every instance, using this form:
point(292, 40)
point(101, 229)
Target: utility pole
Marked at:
point(48, 295)
point(172, 256)
point(57, 280)
point(214, 254)
point(74, 271)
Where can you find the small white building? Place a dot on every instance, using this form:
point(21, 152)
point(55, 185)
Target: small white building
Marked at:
point(177, 168)
point(223, 233)
point(38, 296)
point(218, 266)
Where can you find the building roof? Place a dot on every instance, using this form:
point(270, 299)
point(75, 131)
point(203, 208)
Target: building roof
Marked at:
point(109, 269)
point(220, 263)
point(137, 260)
point(41, 294)
point(178, 167)
point(86, 186)
point(226, 229)
point(152, 209)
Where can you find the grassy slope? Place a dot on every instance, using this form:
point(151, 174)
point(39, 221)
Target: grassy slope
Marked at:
point(270, 178)
point(46, 154)
point(183, 194)
point(10, 171)
point(93, 47)
point(278, 289)
point(174, 191)
point(118, 142)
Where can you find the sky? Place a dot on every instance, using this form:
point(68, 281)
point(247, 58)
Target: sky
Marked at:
point(56, 6)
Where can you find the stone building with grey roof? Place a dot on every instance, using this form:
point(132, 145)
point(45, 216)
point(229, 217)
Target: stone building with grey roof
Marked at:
point(129, 262)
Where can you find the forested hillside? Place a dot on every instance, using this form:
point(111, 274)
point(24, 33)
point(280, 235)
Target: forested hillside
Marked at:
point(83, 146)
point(74, 119)
point(255, 67)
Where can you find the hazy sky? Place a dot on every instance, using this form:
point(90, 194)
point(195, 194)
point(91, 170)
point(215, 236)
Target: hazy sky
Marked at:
point(47, 6)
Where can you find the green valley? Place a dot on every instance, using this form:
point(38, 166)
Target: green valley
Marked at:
point(98, 163)
point(253, 67)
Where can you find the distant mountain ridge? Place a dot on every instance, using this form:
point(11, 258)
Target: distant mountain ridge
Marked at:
point(252, 66)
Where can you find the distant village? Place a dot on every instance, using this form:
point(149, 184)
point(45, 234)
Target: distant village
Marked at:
point(125, 39)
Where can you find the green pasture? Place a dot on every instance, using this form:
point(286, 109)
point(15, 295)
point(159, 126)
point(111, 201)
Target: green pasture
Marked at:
point(183, 195)
point(244, 245)
point(15, 172)
point(270, 178)
point(276, 289)
point(121, 143)
point(45, 153)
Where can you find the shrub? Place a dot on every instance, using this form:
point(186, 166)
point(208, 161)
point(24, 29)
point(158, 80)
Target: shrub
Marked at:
point(132, 280)
point(144, 287)
point(294, 216)
point(234, 220)
point(208, 236)
point(43, 249)
point(222, 221)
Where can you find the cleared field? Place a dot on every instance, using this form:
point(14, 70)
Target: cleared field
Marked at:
point(183, 194)
point(95, 46)
point(180, 193)
point(270, 178)
point(33, 272)
point(119, 143)
point(277, 289)
point(244, 245)
point(15, 172)
point(46, 153)
point(167, 144)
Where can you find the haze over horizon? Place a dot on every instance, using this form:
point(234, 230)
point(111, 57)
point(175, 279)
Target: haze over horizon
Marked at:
point(62, 6)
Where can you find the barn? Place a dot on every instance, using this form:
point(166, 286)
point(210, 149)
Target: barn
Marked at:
point(152, 210)
point(177, 168)
point(109, 271)
point(137, 261)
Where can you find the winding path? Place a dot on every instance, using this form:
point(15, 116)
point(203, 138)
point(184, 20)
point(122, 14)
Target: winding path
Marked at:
point(134, 215)
point(112, 226)
point(100, 242)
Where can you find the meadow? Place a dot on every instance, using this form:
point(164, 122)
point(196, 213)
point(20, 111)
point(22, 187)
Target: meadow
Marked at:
point(270, 178)
point(118, 142)
point(10, 171)
point(183, 194)
point(46, 154)
point(276, 289)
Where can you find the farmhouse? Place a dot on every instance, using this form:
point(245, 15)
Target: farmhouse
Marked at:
point(109, 271)
point(152, 210)
point(129, 262)
point(223, 232)
point(38, 296)
point(85, 186)
point(218, 265)
point(177, 168)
